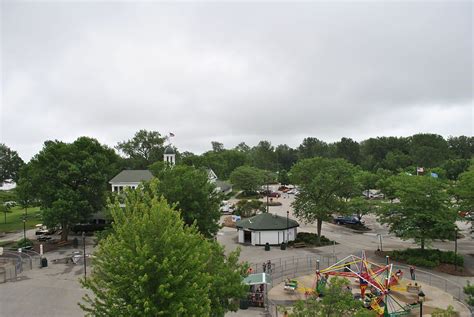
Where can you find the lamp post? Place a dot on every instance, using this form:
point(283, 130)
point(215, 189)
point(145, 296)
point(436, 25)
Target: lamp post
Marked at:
point(421, 299)
point(455, 249)
point(287, 226)
point(84, 253)
point(24, 231)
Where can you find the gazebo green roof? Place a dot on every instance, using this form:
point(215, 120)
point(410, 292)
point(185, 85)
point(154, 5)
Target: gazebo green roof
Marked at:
point(266, 221)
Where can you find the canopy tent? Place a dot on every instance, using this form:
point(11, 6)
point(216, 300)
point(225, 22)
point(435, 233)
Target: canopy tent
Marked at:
point(257, 278)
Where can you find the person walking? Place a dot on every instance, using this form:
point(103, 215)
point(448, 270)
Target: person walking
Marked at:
point(412, 272)
point(264, 267)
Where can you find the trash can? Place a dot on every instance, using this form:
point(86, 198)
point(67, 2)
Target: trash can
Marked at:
point(283, 246)
point(267, 246)
point(75, 243)
point(44, 262)
point(244, 304)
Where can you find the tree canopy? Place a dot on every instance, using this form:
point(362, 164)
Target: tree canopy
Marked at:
point(423, 213)
point(151, 264)
point(70, 180)
point(145, 148)
point(247, 178)
point(192, 193)
point(325, 184)
point(10, 164)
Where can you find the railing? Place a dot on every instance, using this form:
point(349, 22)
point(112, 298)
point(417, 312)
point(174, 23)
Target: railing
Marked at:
point(290, 267)
point(14, 262)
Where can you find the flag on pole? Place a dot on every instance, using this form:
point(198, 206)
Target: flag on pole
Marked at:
point(171, 134)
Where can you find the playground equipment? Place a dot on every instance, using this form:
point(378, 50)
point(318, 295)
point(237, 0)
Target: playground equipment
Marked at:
point(380, 280)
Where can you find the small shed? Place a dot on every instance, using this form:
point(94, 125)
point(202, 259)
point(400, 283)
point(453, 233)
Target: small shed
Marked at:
point(266, 228)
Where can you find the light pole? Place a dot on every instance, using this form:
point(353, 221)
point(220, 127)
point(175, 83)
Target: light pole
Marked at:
point(455, 249)
point(287, 226)
point(24, 231)
point(421, 299)
point(84, 253)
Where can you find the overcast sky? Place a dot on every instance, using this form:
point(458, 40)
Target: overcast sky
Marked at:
point(234, 72)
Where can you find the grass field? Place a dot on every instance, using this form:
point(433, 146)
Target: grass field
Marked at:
point(15, 219)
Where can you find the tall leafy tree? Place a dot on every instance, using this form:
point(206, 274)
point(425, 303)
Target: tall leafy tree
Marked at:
point(454, 168)
point(247, 178)
point(286, 157)
point(428, 150)
point(325, 185)
point(217, 146)
point(263, 156)
point(151, 264)
point(10, 164)
point(461, 146)
point(348, 149)
point(464, 190)
point(423, 213)
point(70, 180)
point(189, 189)
point(24, 190)
point(145, 148)
point(313, 147)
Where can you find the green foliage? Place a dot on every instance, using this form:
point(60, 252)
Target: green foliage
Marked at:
point(283, 177)
point(10, 164)
point(189, 189)
point(15, 218)
point(217, 146)
point(263, 156)
point(325, 185)
point(428, 150)
point(311, 239)
point(248, 208)
point(469, 291)
point(336, 302)
point(429, 258)
point(151, 264)
point(313, 147)
point(349, 150)
point(454, 168)
point(247, 178)
point(449, 312)
point(464, 190)
point(145, 148)
point(70, 180)
point(423, 213)
point(24, 243)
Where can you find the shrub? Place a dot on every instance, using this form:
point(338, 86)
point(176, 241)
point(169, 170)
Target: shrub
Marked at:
point(24, 243)
point(427, 258)
point(311, 238)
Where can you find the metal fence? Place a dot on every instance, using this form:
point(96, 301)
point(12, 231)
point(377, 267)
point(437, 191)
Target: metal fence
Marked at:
point(290, 267)
point(14, 262)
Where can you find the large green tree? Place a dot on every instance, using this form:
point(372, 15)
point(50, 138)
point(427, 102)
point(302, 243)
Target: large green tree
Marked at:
point(464, 190)
point(70, 180)
point(145, 148)
point(152, 264)
point(423, 213)
point(313, 147)
point(247, 178)
point(325, 186)
point(10, 164)
point(336, 302)
point(190, 190)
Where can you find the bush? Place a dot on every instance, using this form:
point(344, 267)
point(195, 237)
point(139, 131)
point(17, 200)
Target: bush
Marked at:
point(426, 258)
point(24, 243)
point(310, 239)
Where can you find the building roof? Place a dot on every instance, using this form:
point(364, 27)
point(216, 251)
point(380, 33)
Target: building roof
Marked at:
point(132, 176)
point(169, 150)
point(224, 186)
point(266, 221)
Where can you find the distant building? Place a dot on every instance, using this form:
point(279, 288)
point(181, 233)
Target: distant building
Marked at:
point(169, 156)
point(266, 228)
point(129, 179)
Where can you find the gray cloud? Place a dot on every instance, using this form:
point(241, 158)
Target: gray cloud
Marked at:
point(234, 72)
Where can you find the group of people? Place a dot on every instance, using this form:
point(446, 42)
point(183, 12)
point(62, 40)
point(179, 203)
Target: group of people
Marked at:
point(267, 267)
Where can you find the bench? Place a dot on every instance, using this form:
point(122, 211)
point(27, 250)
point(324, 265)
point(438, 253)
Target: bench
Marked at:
point(299, 245)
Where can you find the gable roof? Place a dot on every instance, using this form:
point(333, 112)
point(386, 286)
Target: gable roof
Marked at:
point(132, 176)
point(266, 221)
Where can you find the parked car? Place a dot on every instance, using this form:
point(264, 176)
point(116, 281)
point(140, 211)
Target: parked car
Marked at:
point(347, 220)
point(373, 194)
point(270, 193)
point(43, 238)
point(89, 227)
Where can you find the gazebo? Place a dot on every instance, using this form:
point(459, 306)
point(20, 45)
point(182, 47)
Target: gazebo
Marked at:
point(266, 228)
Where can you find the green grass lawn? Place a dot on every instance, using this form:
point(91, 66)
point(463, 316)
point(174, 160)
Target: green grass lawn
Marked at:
point(15, 219)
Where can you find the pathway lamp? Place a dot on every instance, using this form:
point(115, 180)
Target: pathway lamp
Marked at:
point(421, 299)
